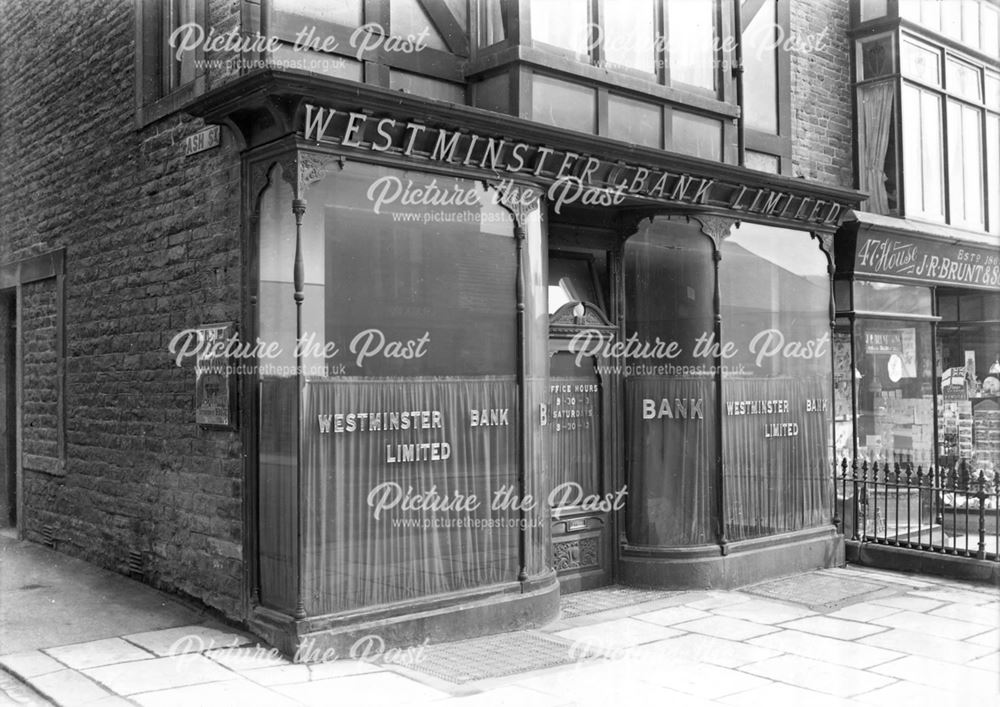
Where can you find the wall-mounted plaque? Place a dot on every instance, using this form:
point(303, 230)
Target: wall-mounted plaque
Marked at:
point(215, 389)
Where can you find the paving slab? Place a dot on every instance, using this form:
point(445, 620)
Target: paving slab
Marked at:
point(159, 674)
point(922, 644)
point(986, 615)
point(188, 639)
point(818, 676)
point(851, 654)
point(781, 694)
point(709, 649)
point(362, 691)
point(92, 654)
point(68, 687)
point(959, 679)
point(863, 612)
point(907, 694)
point(726, 627)
point(28, 664)
point(230, 692)
point(834, 628)
point(672, 615)
point(763, 611)
point(931, 625)
point(909, 603)
point(612, 635)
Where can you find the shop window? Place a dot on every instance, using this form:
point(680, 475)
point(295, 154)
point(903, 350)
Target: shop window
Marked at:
point(777, 409)
point(418, 397)
point(888, 298)
point(895, 392)
point(670, 401)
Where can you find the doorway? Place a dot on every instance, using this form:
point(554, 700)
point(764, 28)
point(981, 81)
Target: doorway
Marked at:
point(8, 410)
point(579, 420)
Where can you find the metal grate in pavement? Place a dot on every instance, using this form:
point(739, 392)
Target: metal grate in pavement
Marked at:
point(818, 591)
point(607, 598)
point(498, 656)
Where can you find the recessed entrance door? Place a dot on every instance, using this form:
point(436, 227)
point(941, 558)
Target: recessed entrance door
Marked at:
point(581, 518)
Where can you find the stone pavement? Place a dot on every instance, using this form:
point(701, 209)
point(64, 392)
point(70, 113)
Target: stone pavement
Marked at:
point(850, 636)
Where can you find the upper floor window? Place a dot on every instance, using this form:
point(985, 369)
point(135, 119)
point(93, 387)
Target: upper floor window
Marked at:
point(928, 112)
point(169, 50)
point(673, 42)
point(974, 23)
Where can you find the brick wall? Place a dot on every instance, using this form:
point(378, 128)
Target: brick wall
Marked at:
point(152, 247)
point(822, 134)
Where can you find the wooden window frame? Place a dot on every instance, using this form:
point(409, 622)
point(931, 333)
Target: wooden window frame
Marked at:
point(157, 94)
point(778, 144)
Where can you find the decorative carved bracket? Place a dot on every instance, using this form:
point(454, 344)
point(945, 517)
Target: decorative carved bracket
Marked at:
point(520, 200)
point(826, 243)
point(303, 169)
point(718, 228)
point(260, 178)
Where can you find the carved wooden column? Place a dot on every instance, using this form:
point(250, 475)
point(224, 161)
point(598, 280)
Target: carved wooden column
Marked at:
point(826, 245)
point(718, 228)
point(520, 201)
point(300, 170)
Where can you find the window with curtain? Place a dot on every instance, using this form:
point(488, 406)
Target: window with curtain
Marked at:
point(492, 29)
point(875, 137)
point(777, 407)
point(944, 161)
point(410, 428)
point(670, 401)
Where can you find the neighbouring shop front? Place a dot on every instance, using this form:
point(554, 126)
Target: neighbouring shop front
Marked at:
point(500, 362)
point(918, 342)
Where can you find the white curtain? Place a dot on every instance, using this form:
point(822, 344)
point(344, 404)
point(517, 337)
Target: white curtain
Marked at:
point(875, 102)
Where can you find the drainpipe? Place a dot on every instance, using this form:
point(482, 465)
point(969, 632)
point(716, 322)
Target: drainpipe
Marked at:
point(738, 75)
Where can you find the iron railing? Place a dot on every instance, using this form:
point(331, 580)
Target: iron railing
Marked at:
point(952, 511)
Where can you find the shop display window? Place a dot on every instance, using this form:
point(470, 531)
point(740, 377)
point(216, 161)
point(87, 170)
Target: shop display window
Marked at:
point(410, 425)
point(777, 407)
point(895, 389)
